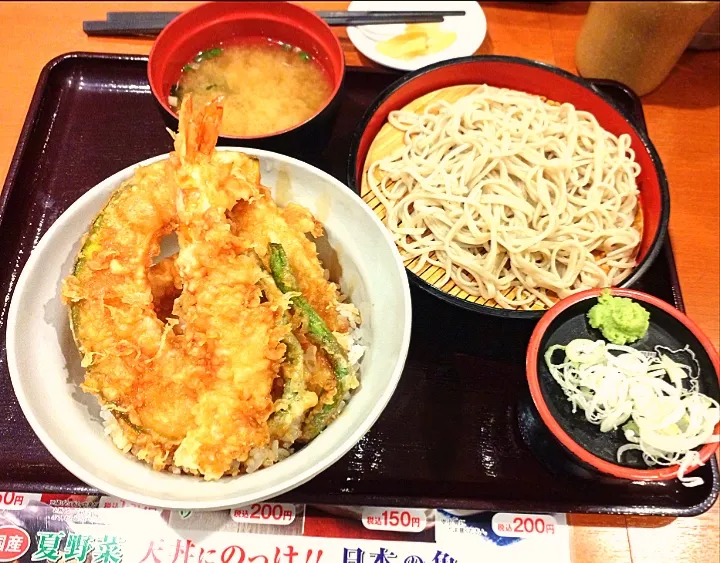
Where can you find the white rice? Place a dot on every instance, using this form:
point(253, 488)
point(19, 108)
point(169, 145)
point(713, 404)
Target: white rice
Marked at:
point(113, 429)
point(266, 456)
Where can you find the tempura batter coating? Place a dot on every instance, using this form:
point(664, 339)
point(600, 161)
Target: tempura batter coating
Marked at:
point(260, 221)
point(165, 285)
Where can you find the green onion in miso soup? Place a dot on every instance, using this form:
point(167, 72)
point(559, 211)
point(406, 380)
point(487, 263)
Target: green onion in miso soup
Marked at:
point(266, 86)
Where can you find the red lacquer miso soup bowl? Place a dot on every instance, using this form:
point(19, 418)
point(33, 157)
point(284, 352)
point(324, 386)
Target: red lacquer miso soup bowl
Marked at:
point(217, 25)
point(540, 79)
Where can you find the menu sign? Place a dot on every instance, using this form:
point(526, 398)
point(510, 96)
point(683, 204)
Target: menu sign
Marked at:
point(91, 529)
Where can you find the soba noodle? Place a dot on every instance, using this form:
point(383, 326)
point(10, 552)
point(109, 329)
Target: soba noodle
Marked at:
point(520, 201)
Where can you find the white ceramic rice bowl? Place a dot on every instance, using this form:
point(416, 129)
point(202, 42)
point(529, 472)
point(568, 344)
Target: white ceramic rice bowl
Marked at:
point(45, 366)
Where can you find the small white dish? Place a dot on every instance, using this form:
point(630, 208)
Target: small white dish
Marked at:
point(470, 29)
point(45, 366)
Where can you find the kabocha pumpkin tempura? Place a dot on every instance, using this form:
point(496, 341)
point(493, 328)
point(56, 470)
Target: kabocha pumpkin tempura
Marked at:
point(208, 362)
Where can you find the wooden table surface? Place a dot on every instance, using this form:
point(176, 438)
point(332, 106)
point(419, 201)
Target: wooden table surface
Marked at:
point(683, 118)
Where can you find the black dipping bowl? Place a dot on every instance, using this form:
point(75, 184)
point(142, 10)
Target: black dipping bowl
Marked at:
point(567, 321)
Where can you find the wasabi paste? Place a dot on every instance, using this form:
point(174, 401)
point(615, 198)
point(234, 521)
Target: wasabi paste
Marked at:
point(620, 320)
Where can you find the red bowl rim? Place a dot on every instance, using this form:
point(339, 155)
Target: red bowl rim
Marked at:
point(336, 86)
point(639, 127)
point(662, 474)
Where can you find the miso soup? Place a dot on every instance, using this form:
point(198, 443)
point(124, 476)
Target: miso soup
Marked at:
point(266, 86)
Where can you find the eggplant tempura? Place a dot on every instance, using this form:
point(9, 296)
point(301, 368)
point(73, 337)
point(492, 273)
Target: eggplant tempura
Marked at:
point(222, 358)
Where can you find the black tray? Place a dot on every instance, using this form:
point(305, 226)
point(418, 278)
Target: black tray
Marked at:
point(460, 432)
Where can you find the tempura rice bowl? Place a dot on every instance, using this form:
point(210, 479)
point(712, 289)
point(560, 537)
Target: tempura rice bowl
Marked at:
point(45, 365)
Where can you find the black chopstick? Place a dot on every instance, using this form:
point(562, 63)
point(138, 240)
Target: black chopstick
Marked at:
point(380, 14)
point(135, 16)
point(149, 24)
point(120, 29)
point(356, 18)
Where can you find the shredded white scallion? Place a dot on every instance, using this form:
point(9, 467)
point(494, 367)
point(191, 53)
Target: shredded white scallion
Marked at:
point(655, 399)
